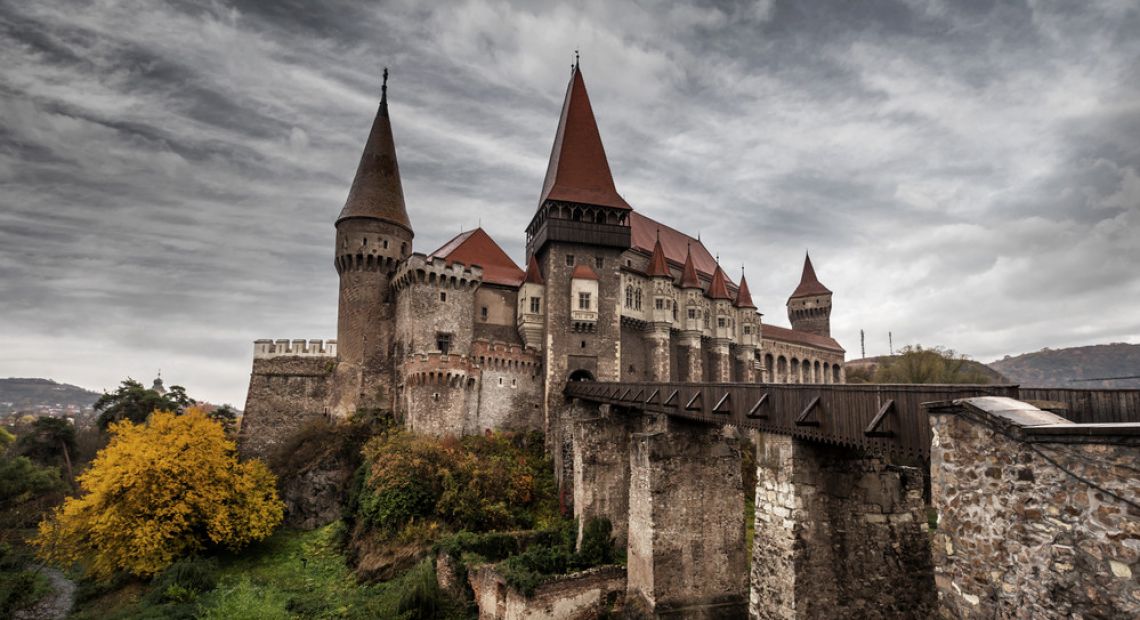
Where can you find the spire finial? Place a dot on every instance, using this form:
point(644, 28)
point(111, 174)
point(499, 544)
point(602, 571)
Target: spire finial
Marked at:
point(658, 233)
point(384, 87)
point(575, 58)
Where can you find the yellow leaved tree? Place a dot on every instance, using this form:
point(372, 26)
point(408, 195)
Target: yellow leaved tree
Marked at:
point(160, 491)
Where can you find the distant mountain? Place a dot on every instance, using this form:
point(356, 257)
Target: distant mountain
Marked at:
point(1058, 367)
point(44, 396)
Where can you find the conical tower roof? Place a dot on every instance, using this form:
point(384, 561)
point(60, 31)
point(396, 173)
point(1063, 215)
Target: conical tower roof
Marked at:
point(533, 274)
point(809, 284)
point(376, 191)
point(743, 295)
point(657, 264)
point(578, 170)
point(689, 277)
point(718, 289)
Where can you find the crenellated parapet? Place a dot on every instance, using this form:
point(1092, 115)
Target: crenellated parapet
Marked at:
point(440, 369)
point(264, 348)
point(505, 356)
point(422, 269)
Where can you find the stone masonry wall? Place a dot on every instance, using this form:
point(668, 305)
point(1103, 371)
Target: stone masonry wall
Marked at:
point(635, 362)
point(284, 393)
point(601, 467)
point(510, 388)
point(1017, 537)
point(838, 535)
point(594, 593)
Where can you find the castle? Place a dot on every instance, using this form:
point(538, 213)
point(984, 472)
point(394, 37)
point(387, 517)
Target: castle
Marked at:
point(461, 339)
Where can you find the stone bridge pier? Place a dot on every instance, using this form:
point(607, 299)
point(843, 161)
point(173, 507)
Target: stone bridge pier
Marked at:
point(839, 534)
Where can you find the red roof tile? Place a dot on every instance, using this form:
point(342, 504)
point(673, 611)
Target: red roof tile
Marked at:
point(533, 273)
point(645, 231)
point(743, 295)
point(657, 265)
point(783, 334)
point(719, 288)
point(578, 170)
point(475, 247)
point(809, 284)
point(376, 191)
point(689, 277)
point(583, 272)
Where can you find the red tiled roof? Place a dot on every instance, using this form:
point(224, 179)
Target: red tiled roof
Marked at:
point(533, 273)
point(476, 247)
point(376, 191)
point(743, 295)
point(645, 231)
point(583, 272)
point(809, 284)
point(578, 170)
point(719, 288)
point(783, 334)
point(657, 264)
point(689, 277)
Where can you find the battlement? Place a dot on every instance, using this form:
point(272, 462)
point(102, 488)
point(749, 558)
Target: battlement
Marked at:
point(440, 369)
point(263, 349)
point(505, 356)
point(422, 269)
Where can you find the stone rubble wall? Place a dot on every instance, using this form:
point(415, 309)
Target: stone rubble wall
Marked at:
point(284, 394)
point(1017, 537)
point(588, 594)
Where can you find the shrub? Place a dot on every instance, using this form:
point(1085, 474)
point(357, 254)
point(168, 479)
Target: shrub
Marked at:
point(184, 580)
point(245, 601)
point(158, 492)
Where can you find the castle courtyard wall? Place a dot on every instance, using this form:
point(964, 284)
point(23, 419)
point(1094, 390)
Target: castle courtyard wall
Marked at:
point(285, 392)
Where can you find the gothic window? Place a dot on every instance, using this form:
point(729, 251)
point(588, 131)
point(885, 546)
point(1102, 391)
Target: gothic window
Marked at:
point(443, 342)
point(720, 322)
point(583, 301)
point(628, 296)
point(569, 260)
point(534, 305)
point(637, 299)
point(692, 313)
point(674, 313)
point(706, 320)
point(747, 330)
point(660, 303)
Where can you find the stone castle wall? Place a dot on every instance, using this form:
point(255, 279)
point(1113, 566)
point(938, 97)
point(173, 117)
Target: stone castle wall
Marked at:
point(510, 390)
point(285, 392)
point(1019, 536)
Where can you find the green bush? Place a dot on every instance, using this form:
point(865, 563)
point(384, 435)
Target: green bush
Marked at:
point(246, 601)
point(529, 569)
point(185, 580)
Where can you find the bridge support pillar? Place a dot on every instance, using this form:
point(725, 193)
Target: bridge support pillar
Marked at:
point(746, 358)
point(686, 554)
point(601, 469)
point(658, 341)
point(693, 369)
point(838, 534)
point(721, 371)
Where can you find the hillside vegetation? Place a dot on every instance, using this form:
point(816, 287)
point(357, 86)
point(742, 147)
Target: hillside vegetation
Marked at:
point(917, 364)
point(18, 394)
point(1058, 367)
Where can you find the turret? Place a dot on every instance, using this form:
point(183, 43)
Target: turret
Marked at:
point(373, 234)
point(692, 296)
point(532, 306)
point(809, 307)
point(724, 318)
point(663, 308)
point(748, 319)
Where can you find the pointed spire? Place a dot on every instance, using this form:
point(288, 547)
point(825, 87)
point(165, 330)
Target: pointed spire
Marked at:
point(578, 170)
point(718, 289)
point(689, 277)
point(809, 284)
point(376, 191)
point(743, 295)
point(533, 274)
point(657, 264)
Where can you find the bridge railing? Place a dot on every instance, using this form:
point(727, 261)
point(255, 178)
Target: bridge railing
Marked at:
point(876, 417)
point(1098, 406)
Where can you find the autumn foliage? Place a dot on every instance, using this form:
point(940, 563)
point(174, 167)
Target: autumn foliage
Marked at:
point(160, 491)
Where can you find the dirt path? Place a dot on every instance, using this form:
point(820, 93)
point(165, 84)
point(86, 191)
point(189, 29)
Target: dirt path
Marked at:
point(54, 606)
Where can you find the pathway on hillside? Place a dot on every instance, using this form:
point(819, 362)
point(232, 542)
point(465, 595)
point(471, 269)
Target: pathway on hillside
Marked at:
point(54, 606)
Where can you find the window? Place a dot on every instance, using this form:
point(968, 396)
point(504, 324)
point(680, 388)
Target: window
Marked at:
point(385, 244)
point(535, 306)
point(514, 383)
point(599, 262)
point(674, 313)
point(628, 296)
point(442, 296)
point(483, 313)
point(500, 380)
point(637, 299)
point(747, 330)
point(659, 303)
point(583, 301)
point(720, 322)
point(692, 313)
point(443, 342)
point(569, 260)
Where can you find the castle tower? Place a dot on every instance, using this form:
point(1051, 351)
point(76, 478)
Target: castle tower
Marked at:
point(373, 235)
point(663, 310)
point(693, 321)
point(581, 221)
point(723, 327)
point(809, 307)
point(747, 332)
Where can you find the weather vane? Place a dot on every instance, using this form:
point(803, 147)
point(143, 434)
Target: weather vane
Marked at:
point(384, 86)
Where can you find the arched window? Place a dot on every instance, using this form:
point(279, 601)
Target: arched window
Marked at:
point(628, 296)
point(637, 299)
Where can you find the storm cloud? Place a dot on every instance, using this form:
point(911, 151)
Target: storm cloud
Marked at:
point(965, 174)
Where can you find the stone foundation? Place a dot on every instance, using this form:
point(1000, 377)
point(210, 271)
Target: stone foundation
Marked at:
point(592, 593)
point(838, 535)
point(1033, 525)
point(601, 469)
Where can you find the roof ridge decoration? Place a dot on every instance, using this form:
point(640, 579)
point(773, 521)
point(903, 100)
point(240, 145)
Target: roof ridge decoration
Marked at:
point(743, 295)
point(376, 191)
point(689, 277)
point(578, 170)
point(809, 283)
point(658, 267)
point(718, 289)
point(533, 273)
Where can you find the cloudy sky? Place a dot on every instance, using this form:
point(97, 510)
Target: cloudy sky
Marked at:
point(965, 174)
